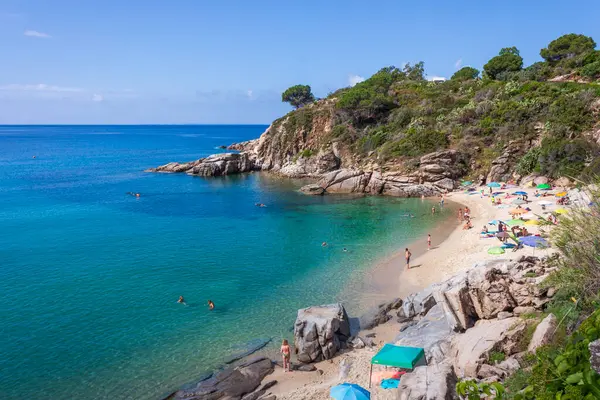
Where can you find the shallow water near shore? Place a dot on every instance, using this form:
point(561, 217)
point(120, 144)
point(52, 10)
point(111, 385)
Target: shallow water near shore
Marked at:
point(90, 276)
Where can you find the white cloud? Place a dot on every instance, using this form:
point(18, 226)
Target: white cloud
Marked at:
point(354, 79)
point(40, 87)
point(97, 97)
point(458, 63)
point(436, 78)
point(36, 34)
point(250, 94)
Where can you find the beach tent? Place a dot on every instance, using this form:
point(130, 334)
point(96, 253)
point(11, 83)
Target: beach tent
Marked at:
point(544, 186)
point(349, 391)
point(494, 184)
point(397, 356)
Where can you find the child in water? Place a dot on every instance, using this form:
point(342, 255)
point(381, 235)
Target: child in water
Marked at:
point(286, 353)
point(211, 305)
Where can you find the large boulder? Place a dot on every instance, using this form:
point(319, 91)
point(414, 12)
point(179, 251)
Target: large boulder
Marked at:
point(231, 383)
point(319, 332)
point(489, 292)
point(543, 332)
point(428, 382)
point(471, 349)
point(453, 295)
point(312, 189)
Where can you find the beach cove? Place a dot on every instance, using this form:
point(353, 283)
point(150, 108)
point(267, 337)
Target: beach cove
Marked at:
point(91, 274)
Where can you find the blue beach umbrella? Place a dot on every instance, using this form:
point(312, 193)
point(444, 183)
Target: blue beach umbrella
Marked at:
point(494, 184)
point(497, 193)
point(534, 241)
point(520, 193)
point(349, 391)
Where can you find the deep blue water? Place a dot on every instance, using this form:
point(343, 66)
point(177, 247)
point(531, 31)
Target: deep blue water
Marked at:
point(89, 276)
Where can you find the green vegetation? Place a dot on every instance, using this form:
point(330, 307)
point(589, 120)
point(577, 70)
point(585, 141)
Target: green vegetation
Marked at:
point(397, 116)
point(497, 357)
point(471, 390)
point(298, 96)
point(465, 73)
point(508, 60)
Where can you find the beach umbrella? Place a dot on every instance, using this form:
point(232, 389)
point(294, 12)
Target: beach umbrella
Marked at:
point(544, 186)
point(520, 193)
point(561, 194)
point(494, 184)
point(513, 222)
point(508, 246)
point(466, 183)
point(493, 222)
point(516, 211)
point(545, 203)
point(502, 235)
point(503, 206)
point(532, 222)
point(529, 184)
point(497, 193)
point(534, 241)
point(518, 202)
point(349, 391)
point(495, 250)
point(528, 216)
point(561, 211)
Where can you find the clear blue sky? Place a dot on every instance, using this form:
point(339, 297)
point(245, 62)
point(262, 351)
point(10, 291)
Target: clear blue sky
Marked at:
point(224, 61)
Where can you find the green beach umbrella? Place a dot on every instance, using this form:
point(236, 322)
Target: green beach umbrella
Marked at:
point(513, 222)
point(495, 250)
point(466, 183)
point(544, 186)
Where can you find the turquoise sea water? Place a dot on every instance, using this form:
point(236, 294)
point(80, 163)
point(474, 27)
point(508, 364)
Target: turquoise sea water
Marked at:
point(90, 276)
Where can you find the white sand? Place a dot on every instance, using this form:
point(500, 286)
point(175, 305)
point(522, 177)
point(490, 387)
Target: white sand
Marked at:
point(460, 250)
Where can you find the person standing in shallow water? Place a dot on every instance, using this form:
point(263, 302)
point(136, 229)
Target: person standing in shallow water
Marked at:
point(407, 255)
point(432, 210)
point(286, 354)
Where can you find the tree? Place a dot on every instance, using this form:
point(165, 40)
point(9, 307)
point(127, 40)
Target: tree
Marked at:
point(298, 96)
point(508, 60)
point(465, 74)
point(415, 72)
point(567, 46)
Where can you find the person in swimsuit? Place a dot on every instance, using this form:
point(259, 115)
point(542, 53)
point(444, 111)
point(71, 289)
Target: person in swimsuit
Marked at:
point(287, 354)
point(407, 255)
point(324, 244)
point(428, 241)
point(181, 300)
point(432, 210)
point(211, 305)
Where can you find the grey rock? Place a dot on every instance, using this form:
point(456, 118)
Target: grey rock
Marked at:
point(504, 314)
point(594, 348)
point(523, 310)
point(543, 332)
point(431, 382)
point(318, 332)
point(488, 371)
point(551, 292)
point(312, 189)
point(510, 365)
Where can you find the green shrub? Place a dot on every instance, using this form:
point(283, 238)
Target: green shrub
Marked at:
point(465, 73)
point(562, 157)
point(497, 357)
point(529, 162)
point(418, 141)
point(591, 70)
point(508, 60)
point(568, 46)
point(471, 390)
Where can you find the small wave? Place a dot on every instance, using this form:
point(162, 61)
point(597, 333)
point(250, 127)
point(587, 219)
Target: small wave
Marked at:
point(104, 133)
point(190, 134)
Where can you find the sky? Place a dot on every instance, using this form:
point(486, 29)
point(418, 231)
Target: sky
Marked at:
point(226, 61)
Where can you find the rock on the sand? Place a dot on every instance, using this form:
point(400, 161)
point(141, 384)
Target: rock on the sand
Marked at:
point(319, 332)
point(428, 383)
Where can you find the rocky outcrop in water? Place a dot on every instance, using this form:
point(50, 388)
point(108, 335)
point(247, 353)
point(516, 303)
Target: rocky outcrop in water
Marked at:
point(215, 165)
point(320, 331)
point(230, 384)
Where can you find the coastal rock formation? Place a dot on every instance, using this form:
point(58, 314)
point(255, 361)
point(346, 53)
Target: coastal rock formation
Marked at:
point(215, 165)
point(312, 189)
point(502, 167)
point(230, 384)
point(543, 332)
point(428, 382)
point(319, 332)
point(379, 315)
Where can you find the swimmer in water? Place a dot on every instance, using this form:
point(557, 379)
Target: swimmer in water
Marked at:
point(137, 195)
point(345, 250)
point(181, 300)
point(324, 244)
point(211, 305)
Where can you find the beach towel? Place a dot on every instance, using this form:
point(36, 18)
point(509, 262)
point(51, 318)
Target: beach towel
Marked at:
point(390, 383)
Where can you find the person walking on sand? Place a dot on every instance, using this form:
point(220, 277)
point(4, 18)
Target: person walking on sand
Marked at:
point(428, 241)
point(286, 355)
point(407, 255)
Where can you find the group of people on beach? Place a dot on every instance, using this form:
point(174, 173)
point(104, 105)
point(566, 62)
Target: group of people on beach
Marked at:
point(465, 216)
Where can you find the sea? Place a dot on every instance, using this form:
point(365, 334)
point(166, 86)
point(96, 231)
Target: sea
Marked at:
point(90, 275)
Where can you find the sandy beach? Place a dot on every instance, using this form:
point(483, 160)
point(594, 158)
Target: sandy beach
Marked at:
point(460, 250)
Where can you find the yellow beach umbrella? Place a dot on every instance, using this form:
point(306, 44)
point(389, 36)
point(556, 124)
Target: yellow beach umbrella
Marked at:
point(561, 194)
point(532, 222)
point(561, 211)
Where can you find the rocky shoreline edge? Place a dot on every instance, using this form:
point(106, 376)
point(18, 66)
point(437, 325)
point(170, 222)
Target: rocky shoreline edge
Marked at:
point(459, 322)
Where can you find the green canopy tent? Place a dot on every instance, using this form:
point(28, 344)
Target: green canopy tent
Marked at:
point(397, 356)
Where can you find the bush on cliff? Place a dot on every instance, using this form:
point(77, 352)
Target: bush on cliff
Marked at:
point(298, 96)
